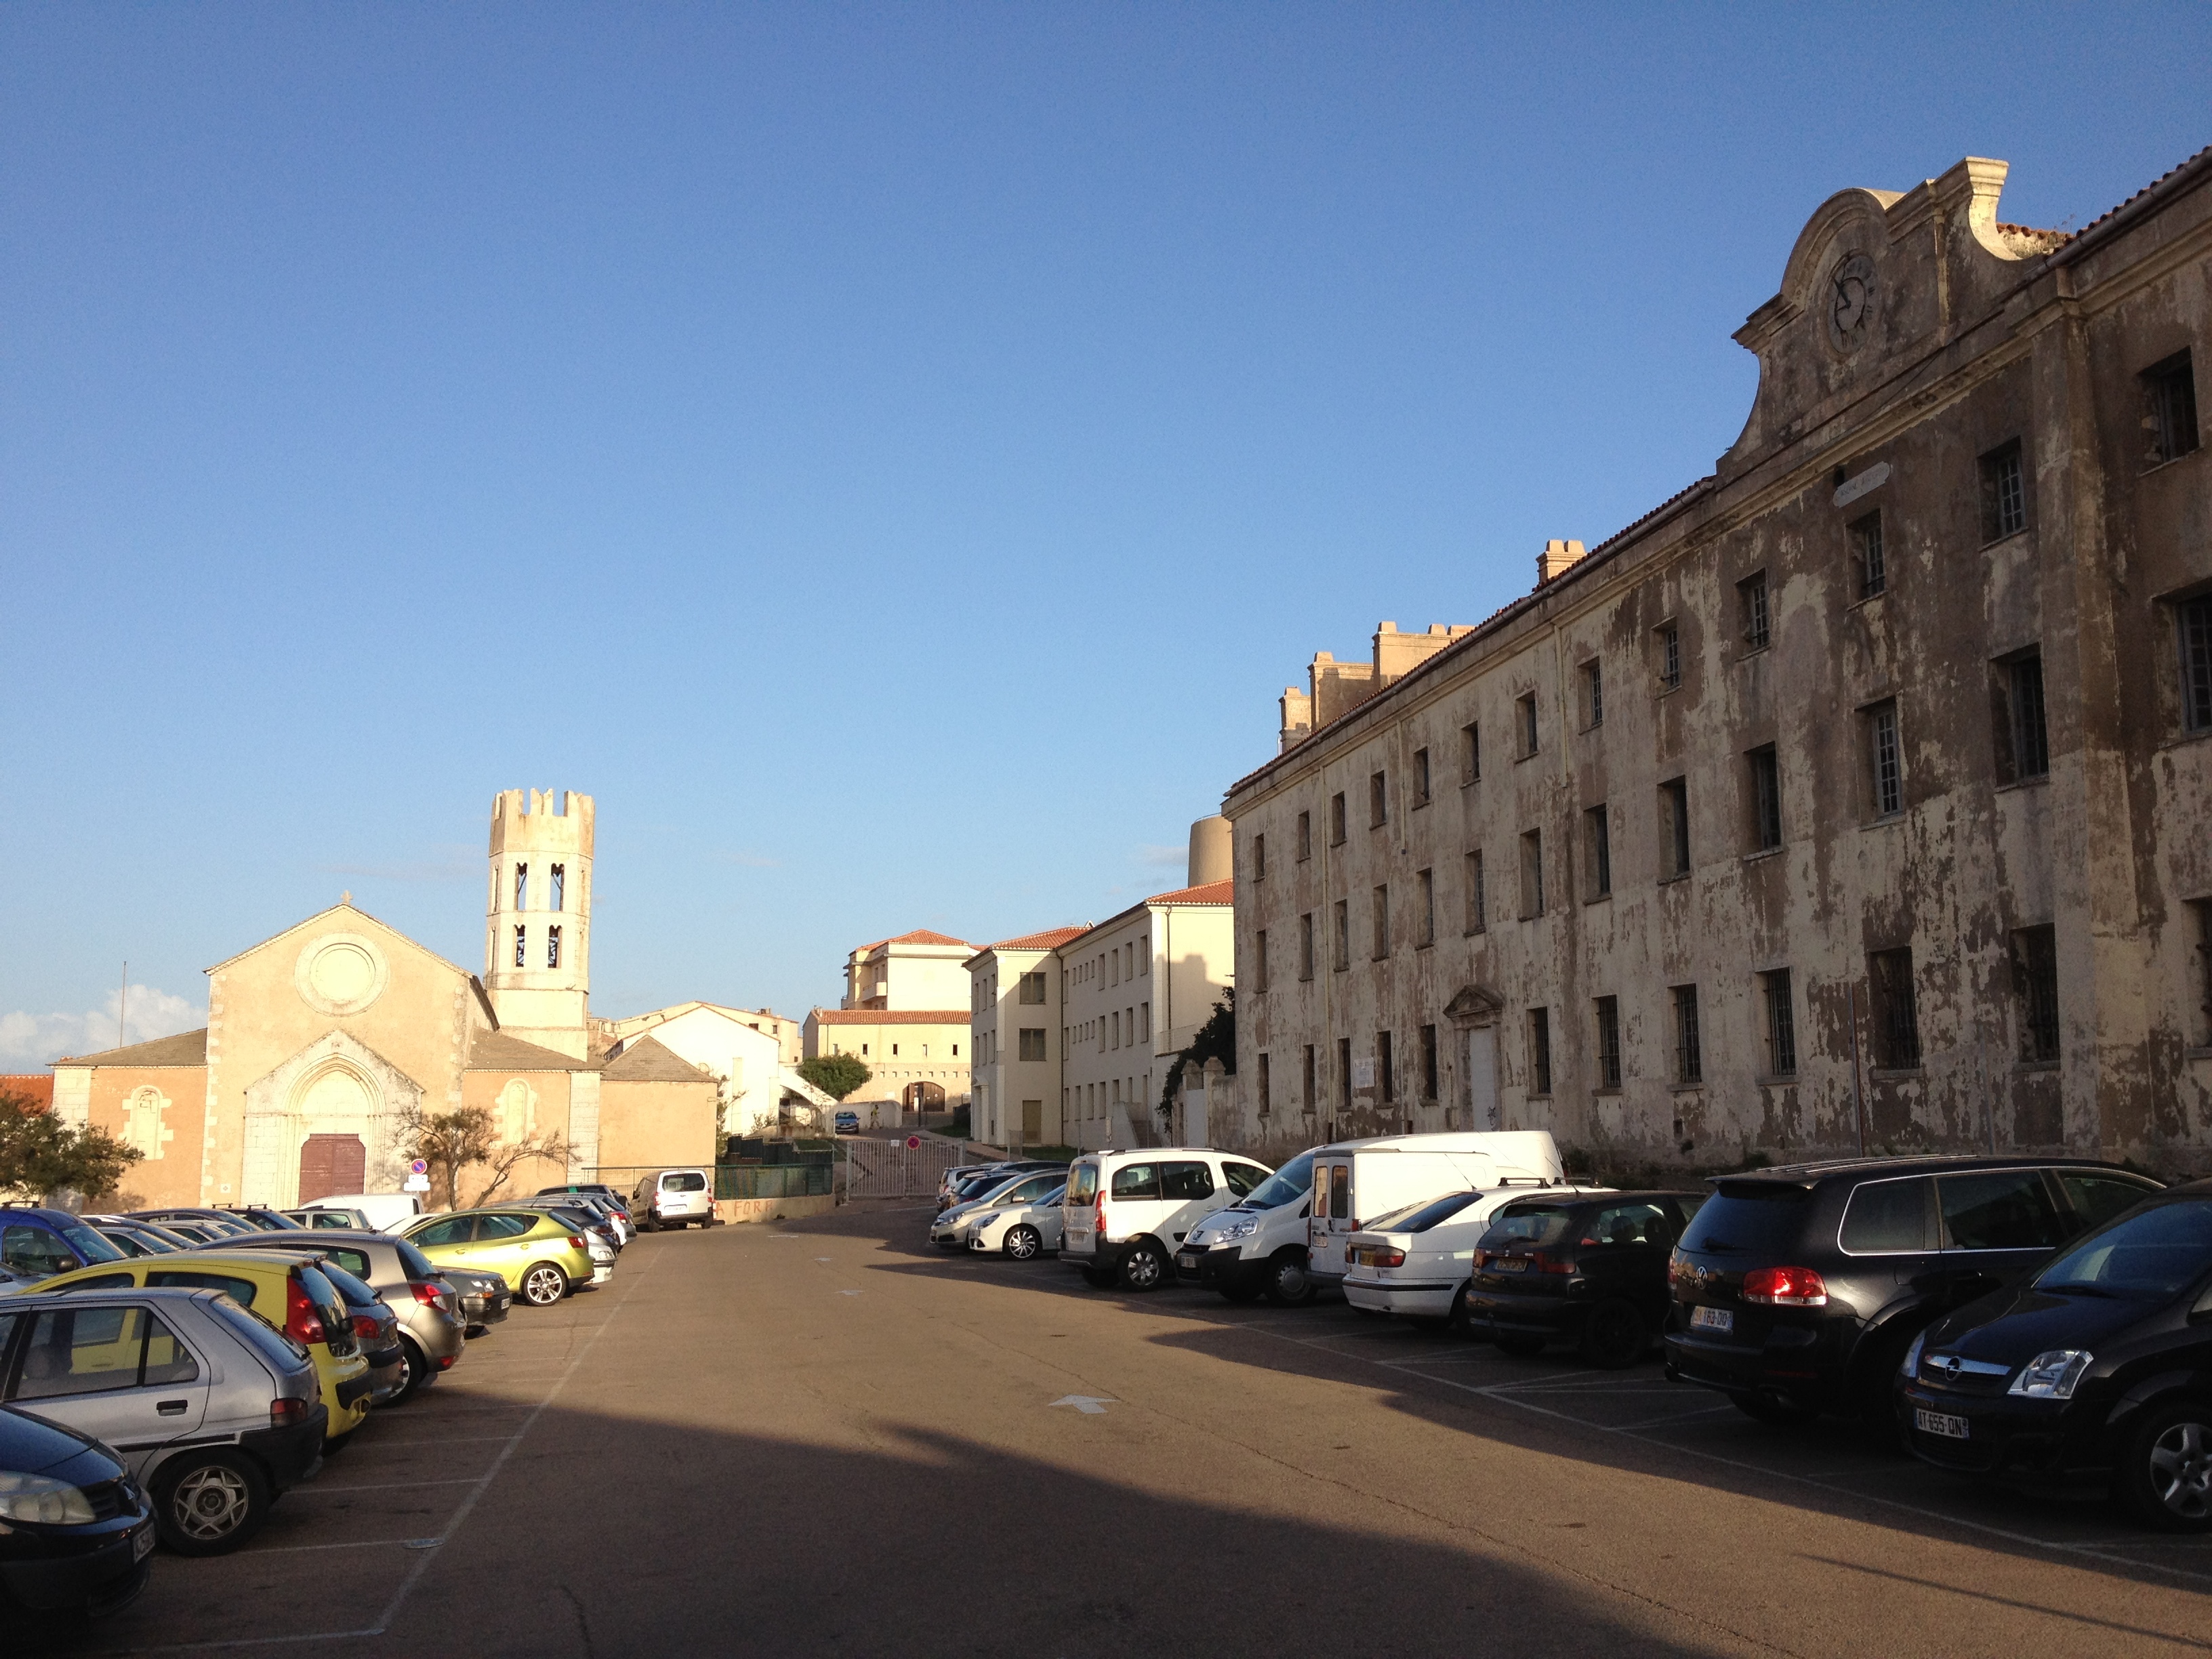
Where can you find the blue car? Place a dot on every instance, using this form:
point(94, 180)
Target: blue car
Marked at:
point(848, 1123)
point(36, 1242)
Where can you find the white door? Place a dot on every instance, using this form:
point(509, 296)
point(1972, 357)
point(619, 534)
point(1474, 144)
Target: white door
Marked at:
point(1482, 1077)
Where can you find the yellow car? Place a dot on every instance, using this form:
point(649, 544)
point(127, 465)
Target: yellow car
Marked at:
point(537, 1256)
point(283, 1288)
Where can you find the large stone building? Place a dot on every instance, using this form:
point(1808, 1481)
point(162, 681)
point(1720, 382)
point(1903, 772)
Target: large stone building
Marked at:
point(1861, 794)
point(904, 1012)
point(325, 1043)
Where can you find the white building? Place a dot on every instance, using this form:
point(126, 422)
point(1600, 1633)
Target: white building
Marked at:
point(1014, 1014)
point(742, 1050)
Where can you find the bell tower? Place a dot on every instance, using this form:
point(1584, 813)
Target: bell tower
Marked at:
point(538, 941)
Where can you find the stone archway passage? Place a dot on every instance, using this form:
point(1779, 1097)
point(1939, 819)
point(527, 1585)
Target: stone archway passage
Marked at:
point(923, 1097)
point(331, 1164)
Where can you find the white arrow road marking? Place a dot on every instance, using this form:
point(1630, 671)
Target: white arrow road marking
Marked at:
point(1088, 1405)
point(822, 1258)
point(848, 1293)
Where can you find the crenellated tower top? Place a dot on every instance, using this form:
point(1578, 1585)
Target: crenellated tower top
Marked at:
point(538, 941)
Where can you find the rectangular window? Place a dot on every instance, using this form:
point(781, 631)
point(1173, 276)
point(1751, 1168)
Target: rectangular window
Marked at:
point(2169, 410)
point(1689, 1056)
point(1378, 799)
point(1266, 1104)
point(1305, 946)
point(1420, 777)
point(1887, 754)
point(1895, 1013)
point(1381, 922)
point(1336, 819)
point(2035, 974)
point(2195, 617)
point(2004, 493)
point(1306, 1079)
point(1470, 752)
point(1305, 836)
point(1765, 799)
point(1344, 1072)
point(1030, 1041)
point(1428, 1062)
point(521, 947)
point(1527, 709)
point(1670, 657)
point(1674, 826)
point(2030, 738)
point(521, 888)
point(1340, 946)
point(1867, 569)
point(1597, 836)
point(1476, 905)
point(1143, 1022)
point(1540, 1051)
point(1593, 680)
point(552, 947)
point(2204, 910)
point(1386, 1073)
point(1758, 621)
point(1032, 989)
point(1532, 873)
point(1608, 1043)
point(1259, 858)
point(559, 887)
point(1426, 918)
point(1781, 1024)
point(1259, 961)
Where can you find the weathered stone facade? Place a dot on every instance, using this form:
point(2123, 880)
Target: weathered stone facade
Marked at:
point(1925, 667)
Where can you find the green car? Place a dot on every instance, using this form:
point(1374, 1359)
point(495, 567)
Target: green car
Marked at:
point(539, 1257)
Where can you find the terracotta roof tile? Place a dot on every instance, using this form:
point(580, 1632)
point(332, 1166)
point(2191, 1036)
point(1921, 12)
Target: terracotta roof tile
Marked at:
point(496, 1051)
point(185, 1048)
point(648, 1060)
point(890, 1016)
point(1051, 939)
point(37, 1087)
point(1212, 892)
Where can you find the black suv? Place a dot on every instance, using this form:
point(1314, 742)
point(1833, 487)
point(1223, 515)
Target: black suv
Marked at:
point(1798, 1290)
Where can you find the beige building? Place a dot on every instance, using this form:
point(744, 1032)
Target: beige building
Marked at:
point(921, 969)
point(905, 1013)
point(325, 1043)
point(1857, 795)
point(741, 1049)
point(1014, 1039)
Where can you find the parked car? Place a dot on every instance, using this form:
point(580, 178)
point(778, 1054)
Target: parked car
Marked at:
point(195, 1222)
point(76, 1531)
point(949, 1183)
point(673, 1197)
point(540, 1259)
point(1024, 1231)
point(384, 1212)
point(848, 1123)
point(286, 1290)
point(428, 1310)
point(965, 1180)
point(375, 1328)
point(256, 1215)
point(332, 1216)
point(582, 1214)
point(1123, 1213)
point(2093, 1374)
point(485, 1297)
point(1587, 1270)
point(1357, 1179)
point(215, 1411)
point(1799, 1290)
point(36, 1242)
point(951, 1228)
point(1257, 1246)
point(135, 1237)
point(604, 1199)
point(1415, 1262)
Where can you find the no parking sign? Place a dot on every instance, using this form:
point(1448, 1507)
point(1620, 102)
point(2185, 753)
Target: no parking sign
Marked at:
point(914, 1143)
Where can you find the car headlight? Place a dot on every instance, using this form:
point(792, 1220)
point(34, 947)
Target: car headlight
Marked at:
point(41, 1498)
point(2052, 1374)
point(1911, 1365)
point(1236, 1230)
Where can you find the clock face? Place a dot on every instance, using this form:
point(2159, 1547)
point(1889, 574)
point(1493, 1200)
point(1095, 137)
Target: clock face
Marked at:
point(1851, 297)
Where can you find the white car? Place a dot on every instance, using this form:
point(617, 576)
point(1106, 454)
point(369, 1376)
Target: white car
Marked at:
point(951, 1229)
point(1022, 1232)
point(1125, 1212)
point(1416, 1262)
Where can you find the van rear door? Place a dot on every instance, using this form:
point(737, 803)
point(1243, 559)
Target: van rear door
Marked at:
point(1078, 1234)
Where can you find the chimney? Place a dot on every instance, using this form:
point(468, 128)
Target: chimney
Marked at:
point(1557, 559)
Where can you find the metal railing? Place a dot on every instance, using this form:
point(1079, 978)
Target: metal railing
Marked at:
point(773, 1179)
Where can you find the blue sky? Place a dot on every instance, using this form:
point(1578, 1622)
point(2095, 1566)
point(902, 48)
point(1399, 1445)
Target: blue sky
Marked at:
point(893, 457)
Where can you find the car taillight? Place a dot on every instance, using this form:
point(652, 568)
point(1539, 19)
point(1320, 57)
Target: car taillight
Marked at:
point(1785, 1287)
point(575, 1243)
point(1385, 1258)
point(303, 1320)
point(364, 1326)
point(286, 1413)
point(1544, 1262)
point(427, 1293)
point(1675, 1266)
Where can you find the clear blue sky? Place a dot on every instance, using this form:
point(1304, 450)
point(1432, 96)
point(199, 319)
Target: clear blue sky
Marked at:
point(893, 458)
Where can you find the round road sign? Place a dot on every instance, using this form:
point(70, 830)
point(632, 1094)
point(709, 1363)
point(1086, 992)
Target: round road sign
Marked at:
point(914, 1143)
point(420, 1167)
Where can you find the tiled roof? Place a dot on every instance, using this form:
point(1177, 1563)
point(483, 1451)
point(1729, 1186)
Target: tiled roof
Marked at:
point(37, 1087)
point(923, 936)
point(1051, 939)
point(648, 1060)
point(496, 1051)
point(1212, 892)
point(2093, 232)
point(890, 1016)
point(185, 1048)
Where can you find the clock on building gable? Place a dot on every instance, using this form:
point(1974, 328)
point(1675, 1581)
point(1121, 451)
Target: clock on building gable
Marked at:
point(1851, 300)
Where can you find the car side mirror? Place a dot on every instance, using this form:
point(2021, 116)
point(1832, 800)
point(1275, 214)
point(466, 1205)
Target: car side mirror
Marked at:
point(69, 1264)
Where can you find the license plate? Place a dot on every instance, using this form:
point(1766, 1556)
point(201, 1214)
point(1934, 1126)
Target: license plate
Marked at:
point(1187, 1262)
point(1510, 1264)
point(1951, 1428)
point(1713, 1319)
point(142, 1544)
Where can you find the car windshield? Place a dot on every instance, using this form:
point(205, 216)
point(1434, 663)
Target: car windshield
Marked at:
point(89, 1246)
point(2153, 1253)
point(1526, 1223)
point(1439, 1209)
point(1286, 1186)
point(1750, 1219)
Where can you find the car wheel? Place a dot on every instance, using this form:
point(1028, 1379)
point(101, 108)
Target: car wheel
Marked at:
point(1024, 1244)
point(1520, 1344)
point(1098, 1277)
point(414, 1370)
point(1615, 1336)
point(544, 1284)
point(210, 1503)
point(1289, 1284)
point(2167, 1477)
point(1457, 1318)
point(1144, 1267)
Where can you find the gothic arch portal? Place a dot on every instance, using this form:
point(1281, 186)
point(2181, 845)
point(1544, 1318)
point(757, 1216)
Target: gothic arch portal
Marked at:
point(336, 1085)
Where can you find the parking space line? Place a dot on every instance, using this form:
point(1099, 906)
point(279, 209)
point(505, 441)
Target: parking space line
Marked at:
point(358, 1543)
point(316, 1488)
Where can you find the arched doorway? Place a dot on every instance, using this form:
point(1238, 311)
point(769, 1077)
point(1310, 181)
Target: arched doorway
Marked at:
point(331, 1164)
point(922, 1097)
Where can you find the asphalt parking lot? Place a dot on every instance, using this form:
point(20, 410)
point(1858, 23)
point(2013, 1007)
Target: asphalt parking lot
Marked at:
point(826, 1437)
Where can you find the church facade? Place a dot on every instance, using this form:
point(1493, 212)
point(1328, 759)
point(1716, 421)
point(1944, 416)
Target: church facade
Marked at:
point(326, 1044)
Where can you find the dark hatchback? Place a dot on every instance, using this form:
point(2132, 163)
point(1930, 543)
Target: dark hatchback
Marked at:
point(76, 1533)
point(1798, 1290)
point(1589, 1271)
point(2094, 1374)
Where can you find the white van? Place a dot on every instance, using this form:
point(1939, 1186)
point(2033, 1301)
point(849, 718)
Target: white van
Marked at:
point(1356, 1179)
point(1125, 1212)
point(385, 1211)
point(673, 1197)
point(1257, 1246)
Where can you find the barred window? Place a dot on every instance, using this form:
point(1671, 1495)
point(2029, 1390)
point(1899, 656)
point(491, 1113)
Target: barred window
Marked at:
point(1540, 1051)
point(1765, 799)
point(1477, 904)
point(1428, 1062)
point(1608, 1043)
point(2004, 493)
point(1674, 802)
point(2031, 738)
point(2196, 620)
point(1598, 833)
point(1781, 1024)
point(2169, 410)
point(1689, 1056)
point(1896, 1011)
point(1670, 657)
point(1887, 754)
point(2035, 970)
point(1758, 621)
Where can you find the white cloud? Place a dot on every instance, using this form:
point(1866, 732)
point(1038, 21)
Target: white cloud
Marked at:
point(41, 1039)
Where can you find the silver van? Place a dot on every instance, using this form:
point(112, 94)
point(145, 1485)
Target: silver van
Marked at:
point(215, 1411)
point(673, 1197)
